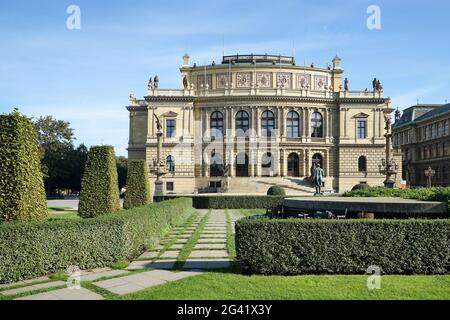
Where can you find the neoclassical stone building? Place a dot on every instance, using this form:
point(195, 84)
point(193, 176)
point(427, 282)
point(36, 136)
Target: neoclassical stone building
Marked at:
point(257, 120)
point(423, 134)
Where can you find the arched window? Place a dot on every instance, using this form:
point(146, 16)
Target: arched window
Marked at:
point(170, 164)
point(362, 164)
point(293, 125)
point(267, 123)
point(242, 121)
point(216, 165)
point(316, 125)
point(217, 124)
point(317, 159)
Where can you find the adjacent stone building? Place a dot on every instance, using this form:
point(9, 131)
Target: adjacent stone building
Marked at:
point(422, 132)
point(257, 120)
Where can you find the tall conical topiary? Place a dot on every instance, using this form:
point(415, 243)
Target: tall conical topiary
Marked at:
point(22, 195)
point(99, 186)
point(138, 187)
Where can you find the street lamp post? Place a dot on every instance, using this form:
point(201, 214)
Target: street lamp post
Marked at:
point(388, 166)
point(159, 167)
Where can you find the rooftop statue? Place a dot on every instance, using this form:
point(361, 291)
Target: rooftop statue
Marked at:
point(346, 84)
point(150, 84)
point(156, 82)
point(185, 83)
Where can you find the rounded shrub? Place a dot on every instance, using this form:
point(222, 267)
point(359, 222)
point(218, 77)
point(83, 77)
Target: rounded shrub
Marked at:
point(276, 191)
point(99, 187)
point(361, 186)
point(22, 195)
point(138, 187)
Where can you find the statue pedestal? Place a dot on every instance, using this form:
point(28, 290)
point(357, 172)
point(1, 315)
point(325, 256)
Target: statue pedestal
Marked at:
point(389, 184)
point(159, 191)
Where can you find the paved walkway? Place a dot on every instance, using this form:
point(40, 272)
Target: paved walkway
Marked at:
point(189, 250)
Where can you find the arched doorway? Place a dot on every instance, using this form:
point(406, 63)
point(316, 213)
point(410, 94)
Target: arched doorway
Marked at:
point(216, 165)
point(267, 165)
point(293, 167)
point(242, 165)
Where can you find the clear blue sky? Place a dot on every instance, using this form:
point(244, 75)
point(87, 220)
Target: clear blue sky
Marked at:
point(85, 76)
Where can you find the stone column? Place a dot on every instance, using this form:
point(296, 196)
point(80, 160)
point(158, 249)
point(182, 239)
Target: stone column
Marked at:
point(284, 164)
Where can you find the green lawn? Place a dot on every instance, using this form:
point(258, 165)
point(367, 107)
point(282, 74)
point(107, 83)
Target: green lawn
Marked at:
point(228, 286)
point(64, 216)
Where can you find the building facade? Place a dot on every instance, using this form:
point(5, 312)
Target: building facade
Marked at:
point(422, 132)
point(257, 120)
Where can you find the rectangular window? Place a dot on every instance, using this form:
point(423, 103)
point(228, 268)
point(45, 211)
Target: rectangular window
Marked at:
point(361, 129)
point(169, 186)
point(170, 128)
point(446, 128)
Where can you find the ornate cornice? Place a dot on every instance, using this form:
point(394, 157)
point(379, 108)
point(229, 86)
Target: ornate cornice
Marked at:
point(264, 98)
point(363, 100)
point(169, 99)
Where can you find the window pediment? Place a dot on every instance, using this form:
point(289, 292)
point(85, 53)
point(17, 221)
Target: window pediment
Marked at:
point(170, 114)
point(360, 115)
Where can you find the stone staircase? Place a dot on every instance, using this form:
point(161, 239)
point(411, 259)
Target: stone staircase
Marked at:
point(260, 185)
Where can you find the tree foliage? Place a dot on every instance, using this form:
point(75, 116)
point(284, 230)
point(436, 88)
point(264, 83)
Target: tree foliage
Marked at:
point(22, 196)
point(138, 188)
point(99, 186)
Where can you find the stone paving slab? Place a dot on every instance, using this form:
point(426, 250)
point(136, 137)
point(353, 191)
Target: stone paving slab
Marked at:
point(129, 284)
point(158, 264)
point(65, 294)
point(23, 282)
point(176, 247)
point(206, 264)
point(214, 246)
point(182, 240)
point(170, 254)
point(209, 254)
point(97, 275)
point(144, 280)
point(213, 236)
point(149, 255)
point(34, 287)
point(212, 240)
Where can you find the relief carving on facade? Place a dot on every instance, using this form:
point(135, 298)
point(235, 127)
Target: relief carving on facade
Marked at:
point(303, 81)
point(321, 82)
point(244, 80)
point(264, 80)
point(284, 79)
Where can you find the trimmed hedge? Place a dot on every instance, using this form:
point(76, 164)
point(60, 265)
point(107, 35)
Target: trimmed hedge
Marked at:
point(360, 186)
point(22, 195)
point(276, 191)
point(297, 246)
point(441, 194)
point(30, 250)
point(99, 187)
point(232, 202)
point(138, 187)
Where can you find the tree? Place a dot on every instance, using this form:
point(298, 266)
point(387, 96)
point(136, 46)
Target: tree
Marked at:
point(22, 196)
point(122, 171)
point(55, 138)
point(75, 163)
point(99, 186)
